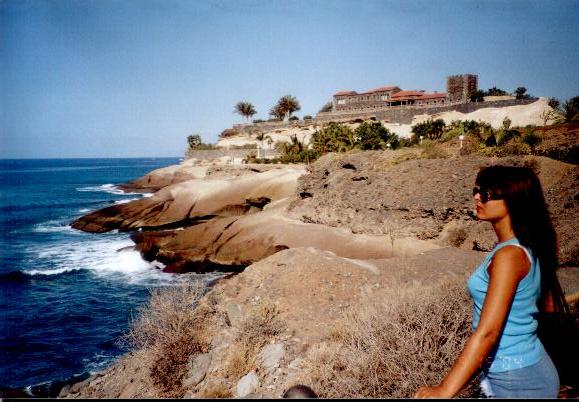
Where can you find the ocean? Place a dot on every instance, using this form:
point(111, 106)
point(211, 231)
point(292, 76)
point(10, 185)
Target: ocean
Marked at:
point(67, 296)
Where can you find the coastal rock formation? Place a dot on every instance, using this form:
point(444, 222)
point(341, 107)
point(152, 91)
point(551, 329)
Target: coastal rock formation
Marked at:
point(163, 177)
point(352, 204)
point(240, 241)
point(192, 200)
point(311, 246)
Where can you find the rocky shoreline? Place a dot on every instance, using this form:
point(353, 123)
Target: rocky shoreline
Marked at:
point(311, 241)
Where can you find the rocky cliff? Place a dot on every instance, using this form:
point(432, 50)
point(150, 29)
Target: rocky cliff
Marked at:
point(309, 245)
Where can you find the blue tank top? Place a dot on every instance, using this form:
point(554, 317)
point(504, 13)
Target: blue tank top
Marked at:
point(518, 345)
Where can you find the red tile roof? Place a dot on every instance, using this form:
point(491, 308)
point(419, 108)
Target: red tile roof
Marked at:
point(433, 96)
point(404, 94)
point(345, 93)
point(381, 89)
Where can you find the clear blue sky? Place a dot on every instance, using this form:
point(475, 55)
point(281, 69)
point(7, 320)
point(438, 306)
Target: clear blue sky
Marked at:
point(129, 78)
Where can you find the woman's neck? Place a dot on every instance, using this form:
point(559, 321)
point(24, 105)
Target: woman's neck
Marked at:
point(504, 229)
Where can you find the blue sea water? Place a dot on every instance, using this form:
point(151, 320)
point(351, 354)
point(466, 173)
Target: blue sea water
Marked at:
point(66, 296)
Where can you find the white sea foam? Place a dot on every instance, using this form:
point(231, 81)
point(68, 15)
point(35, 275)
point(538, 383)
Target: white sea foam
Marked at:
point(50, 271)
point(111, 189)
point(99, 362)
point(53, 226)
point(101, 258)
point(107, 188)
point(126, 200)
point(84, 210)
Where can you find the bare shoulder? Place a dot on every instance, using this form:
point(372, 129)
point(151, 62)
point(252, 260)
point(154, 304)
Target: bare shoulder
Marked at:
point(511, 259)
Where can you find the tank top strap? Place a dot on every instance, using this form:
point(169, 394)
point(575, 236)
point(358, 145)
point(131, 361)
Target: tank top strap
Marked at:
point(513, 242)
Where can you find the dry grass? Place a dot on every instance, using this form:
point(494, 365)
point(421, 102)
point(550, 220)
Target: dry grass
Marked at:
point(217, 391)
point(388, 350)
point(168, 330)
point(405, 156)
point(457, 236)
point(261, 324)
point(428, 150)
point(431, 150)
point(167, 315)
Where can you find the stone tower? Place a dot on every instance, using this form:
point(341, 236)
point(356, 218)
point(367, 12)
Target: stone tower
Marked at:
point(460, 87)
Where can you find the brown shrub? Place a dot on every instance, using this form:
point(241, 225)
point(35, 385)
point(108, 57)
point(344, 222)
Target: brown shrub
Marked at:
point(217, 391)
point(168, 330)
point(261, 324)
point(457, 236)
point(167, 315)
point(170, 363)
point(431, 150)
point(390, 349)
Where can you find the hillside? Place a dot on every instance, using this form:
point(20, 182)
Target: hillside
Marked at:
point(520, 115)
point(315, 247)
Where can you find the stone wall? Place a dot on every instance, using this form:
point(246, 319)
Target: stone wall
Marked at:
point(394, 114)
point(232, 153)
point(404, 114)
point(272, 125)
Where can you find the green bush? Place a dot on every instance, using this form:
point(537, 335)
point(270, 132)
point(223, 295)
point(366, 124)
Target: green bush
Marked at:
point(295, 151)
point(430, 129)
point(514, 147)
point(571, 110)
point(258, 121)
point(532, 139)
point(333, 138)
point(305, 155)
point(494, 91)
point(308, 117)
point(503, 136)
point(374, 136)
point(451, 134)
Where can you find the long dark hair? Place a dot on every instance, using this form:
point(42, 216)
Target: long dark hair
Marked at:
point(523, 194)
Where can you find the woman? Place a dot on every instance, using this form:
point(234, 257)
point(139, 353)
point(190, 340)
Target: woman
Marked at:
point(515, 280)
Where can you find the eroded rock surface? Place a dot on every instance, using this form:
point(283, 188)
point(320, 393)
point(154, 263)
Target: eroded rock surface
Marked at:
point(240, 241)
point(183, 203)
point(382, 193)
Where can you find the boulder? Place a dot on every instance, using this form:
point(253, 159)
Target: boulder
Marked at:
point(271, 356)
point(163, 177)
point(196, 369)
point(247, 385)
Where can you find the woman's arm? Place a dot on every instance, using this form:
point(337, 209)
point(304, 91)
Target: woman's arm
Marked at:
point(509, 265)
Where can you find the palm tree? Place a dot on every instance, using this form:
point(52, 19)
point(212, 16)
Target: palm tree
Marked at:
point(261, 137)
point(245, 109)
point(277, 112)
point(289, 104)
point(327, 107)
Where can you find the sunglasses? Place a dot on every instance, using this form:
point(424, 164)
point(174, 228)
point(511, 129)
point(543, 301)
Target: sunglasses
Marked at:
point(485, 195)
